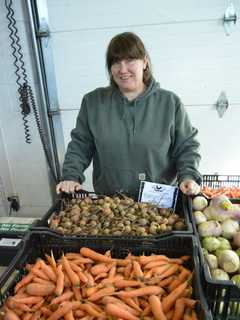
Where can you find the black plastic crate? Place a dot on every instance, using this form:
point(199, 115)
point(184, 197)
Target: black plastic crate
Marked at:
point(182, 209)
point(10, 246)
point(40, 242)
point(223, 297)
point(218, 181)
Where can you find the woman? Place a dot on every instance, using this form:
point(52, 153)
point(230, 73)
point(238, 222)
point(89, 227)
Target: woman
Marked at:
point(132, 130)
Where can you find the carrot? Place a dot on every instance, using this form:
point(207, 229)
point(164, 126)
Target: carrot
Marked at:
point(194, 315)
point(190, 303)
point(112, 271)
point(187, 314)
point(161, 269)
point(92, 290)
point(150, 290)
point(17, 306)
point(40, 274)
point(79, 272)
point(131, 303)
point(169, 272)
point(127, 270)
point(178, 310)
point(48, 271)
point(35, 289)
point(36, 315)
point(119, 312)
point(77, 293)
point(146, 311)
point(137, 270)
point(156, 307)
point(99, 268)
point(25, 280)
point(117, 301)
point(27, 316)
point(117, 278)
point(46, 312)
point(63, 297)
point(148, 274)
point(101, 293)
point(60, 281)
point(184, 274)
point(154, 264)
point(51, 261)
point(165, 282)
point(101, 275)
point(146, 259)
point(127, 283)
point(11, 315)
point(89, 253)
point(69, 315)
point(27, 300)
point(41, 281)
point(38, 305)
point(71, 274)
point(169, 314)
point(61, 311)
point(89, 309)
point(90, 278)
point(169, 300)
point(79, 313)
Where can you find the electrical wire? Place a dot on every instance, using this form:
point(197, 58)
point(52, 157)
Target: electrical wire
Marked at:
point(26, 96)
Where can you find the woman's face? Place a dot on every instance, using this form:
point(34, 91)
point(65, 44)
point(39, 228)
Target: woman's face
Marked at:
point(128, 74)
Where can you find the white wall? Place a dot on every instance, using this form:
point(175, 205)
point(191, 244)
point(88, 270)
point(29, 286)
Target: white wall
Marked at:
point(23, 169)
point(190, 53)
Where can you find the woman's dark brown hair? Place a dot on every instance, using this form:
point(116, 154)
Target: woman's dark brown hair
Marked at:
point(127, 45)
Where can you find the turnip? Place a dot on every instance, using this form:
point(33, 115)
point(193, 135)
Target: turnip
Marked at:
point(229, 228)
point(199, 203)
point(210, 243)
point(199, 217)
point(236, 280)
point(219, 274)
point(229, 261)
point(209, 228)
point(211, 261)
point(224, 244)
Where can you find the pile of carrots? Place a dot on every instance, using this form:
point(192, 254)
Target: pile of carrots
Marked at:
point(90, 285)
point(230, 192)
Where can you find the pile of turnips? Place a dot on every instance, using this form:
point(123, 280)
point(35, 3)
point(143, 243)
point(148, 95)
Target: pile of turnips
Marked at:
point(217, 222)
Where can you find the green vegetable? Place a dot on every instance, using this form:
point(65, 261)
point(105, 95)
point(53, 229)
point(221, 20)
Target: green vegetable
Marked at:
point(211, 261)
point(224, 244)
point(199, 217)
point(199, 203)
point(229, 261)
point(210, 228)
point(219, 274)
point(236, 280)
point(210, 243)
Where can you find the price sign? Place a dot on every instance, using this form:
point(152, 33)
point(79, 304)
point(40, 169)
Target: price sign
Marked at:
point(162, 195)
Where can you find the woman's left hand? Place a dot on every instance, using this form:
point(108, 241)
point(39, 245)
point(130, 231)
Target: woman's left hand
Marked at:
point(189, 187)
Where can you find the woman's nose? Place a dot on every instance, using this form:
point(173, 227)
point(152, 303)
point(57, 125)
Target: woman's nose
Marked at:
point(123, 66)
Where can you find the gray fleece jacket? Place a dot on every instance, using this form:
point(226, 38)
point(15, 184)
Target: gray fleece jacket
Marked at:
point(149, 138)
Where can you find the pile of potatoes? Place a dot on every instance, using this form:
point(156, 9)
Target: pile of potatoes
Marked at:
point(114, 217)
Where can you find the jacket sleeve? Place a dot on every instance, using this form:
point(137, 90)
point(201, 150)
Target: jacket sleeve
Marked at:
point(80, 149)
point(185, 146)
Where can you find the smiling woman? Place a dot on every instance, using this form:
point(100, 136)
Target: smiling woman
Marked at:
point(131, 129)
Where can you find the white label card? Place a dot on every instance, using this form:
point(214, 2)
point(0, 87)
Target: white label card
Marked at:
point(162, 195)
point(8, 242)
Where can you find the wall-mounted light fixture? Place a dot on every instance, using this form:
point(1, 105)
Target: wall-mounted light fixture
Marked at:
point(222, 104)
point(230, 18)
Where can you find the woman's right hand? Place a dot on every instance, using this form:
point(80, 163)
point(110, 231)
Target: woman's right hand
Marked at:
point(68, 186)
